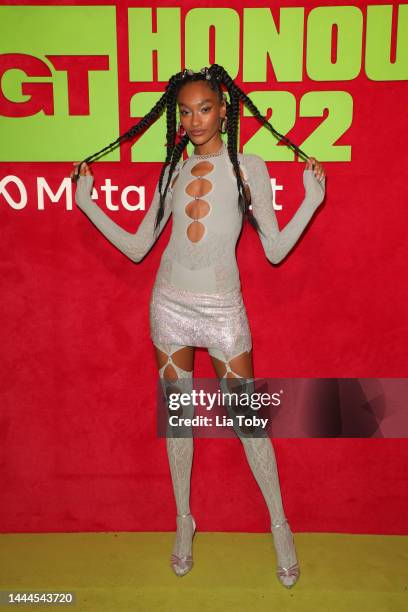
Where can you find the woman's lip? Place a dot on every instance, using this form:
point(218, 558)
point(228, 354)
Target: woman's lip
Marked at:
point(197, 133)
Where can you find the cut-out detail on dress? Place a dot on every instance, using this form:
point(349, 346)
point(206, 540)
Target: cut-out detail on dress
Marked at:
point(197, 209)
point(195, 231)
point(202, 168)
point(198, 187)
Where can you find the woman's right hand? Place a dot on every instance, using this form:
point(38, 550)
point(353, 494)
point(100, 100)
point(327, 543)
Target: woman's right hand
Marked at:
point(85, 170)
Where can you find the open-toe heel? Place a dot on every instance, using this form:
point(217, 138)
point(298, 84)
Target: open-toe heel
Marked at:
point(183, 564)
point(284, 544)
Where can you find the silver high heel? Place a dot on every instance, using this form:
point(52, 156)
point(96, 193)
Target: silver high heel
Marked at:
point(182, 565)
point(288, 576)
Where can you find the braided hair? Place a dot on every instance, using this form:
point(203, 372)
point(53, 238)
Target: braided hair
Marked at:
point(215, 76)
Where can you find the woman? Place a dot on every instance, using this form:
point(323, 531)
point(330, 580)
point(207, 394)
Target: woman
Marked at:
point(196, 299)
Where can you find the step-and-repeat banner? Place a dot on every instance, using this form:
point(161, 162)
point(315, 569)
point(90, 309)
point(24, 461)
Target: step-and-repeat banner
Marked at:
point(78, 373)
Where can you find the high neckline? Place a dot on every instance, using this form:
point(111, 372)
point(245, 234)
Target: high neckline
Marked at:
point(220, 151)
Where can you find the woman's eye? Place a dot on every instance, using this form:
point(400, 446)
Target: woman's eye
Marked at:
point(205, 109)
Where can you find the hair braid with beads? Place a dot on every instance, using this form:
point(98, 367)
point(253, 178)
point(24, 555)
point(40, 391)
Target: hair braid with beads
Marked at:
point(215, 76)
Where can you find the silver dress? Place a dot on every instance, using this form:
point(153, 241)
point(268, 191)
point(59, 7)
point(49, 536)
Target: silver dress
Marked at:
point(196, 298)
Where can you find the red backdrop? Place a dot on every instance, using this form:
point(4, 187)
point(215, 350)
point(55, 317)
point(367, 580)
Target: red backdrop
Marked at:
point(78, 375)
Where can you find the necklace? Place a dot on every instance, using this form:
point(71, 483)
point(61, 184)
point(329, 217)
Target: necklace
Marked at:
point(219, 152)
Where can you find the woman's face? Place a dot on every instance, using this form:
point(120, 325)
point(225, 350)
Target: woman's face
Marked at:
point(200, 111)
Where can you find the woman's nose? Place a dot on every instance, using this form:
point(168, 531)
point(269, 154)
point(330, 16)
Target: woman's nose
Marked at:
point(195, 120)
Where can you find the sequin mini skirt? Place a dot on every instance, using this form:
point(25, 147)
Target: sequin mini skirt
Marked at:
point(189, 318)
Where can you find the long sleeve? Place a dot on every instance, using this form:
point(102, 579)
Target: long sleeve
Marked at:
point(134, 245)
point(277, 243)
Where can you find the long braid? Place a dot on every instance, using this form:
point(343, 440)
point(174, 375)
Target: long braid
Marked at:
point(232, 145)
point(172, 155)
point(151, 116)
point(219, 74)
point(174, 151)
point(177, 152)
point(223, 76)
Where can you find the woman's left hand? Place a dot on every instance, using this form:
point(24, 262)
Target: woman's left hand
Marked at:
point(313, 164)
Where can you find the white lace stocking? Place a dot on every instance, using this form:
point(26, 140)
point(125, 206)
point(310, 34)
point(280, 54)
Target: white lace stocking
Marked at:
point(261, 458)
point(180, 452)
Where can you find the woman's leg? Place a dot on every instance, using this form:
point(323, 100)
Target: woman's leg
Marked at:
point(175, 364)
point(261, 458)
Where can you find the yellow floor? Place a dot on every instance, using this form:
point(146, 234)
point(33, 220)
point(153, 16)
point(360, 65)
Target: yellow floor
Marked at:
point(131, 571)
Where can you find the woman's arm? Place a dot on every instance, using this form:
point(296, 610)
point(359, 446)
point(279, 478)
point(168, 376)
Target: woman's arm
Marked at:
point(133, 244)
point(276, 243)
